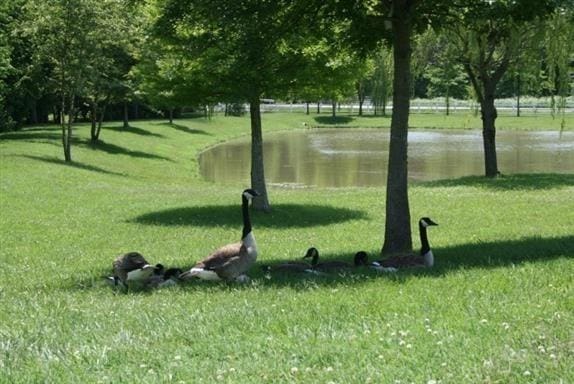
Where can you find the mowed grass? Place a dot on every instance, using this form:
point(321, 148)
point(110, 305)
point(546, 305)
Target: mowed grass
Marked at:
point(497, 308)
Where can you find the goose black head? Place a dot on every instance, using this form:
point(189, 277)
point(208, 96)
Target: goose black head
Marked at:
point(426, 221)
point(312, 253)
point(361, 258)
point(158, 269)
point(250, 193)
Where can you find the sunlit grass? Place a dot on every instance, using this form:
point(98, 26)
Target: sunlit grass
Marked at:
point(498, 307)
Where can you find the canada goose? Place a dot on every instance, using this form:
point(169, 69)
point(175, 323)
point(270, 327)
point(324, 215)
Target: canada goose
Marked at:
point(424, 259)
point(359, 259)
point(289, 266)
point(132, 267)
point(231, 261)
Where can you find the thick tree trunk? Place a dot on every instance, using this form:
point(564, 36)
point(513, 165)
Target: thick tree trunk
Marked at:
point(318, 107)
point(334, 109)
point(489, 114)
point(171, 115)
point(398, 237)
point(307, 108)
point(261, 202)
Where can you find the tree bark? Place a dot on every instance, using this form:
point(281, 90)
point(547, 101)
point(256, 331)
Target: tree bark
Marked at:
point(261, 202)
point(318, 107)
point(398, 237)
point(488, 115)
point(334, 109)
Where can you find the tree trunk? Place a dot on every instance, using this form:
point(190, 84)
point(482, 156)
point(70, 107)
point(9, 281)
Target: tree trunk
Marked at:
point(334, 109)
point(398, 237)
point(94, 118)
point(518, 96)
point(489, 114)
point(101, 119)
point(307, 110)
point(318, 107)
point(67, 128)
point(126, 120)
point(171, 115)
point(261, 202)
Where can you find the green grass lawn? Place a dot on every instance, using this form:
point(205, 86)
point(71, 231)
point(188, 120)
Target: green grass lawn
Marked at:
point(497, 308)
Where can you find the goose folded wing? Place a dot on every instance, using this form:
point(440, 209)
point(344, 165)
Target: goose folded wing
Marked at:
point(221, 257)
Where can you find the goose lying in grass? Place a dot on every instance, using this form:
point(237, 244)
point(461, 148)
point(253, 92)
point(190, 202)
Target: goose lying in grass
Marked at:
point(231, 261)
point(289, 266)
point(359, 259)
point(424, 259)
point(132, 268)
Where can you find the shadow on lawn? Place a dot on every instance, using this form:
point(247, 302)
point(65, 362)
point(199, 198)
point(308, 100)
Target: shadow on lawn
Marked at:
point(333, 120)
point(282, 216)
point(185, 129)
point(498, 254)
point(73, 164)
point(531, 181)
point(132, 129)
point(113, 149)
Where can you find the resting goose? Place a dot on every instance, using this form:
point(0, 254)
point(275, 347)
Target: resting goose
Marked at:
point(289, 266)
point(132, 267)
point(231, 261)
point(329, 266)
point(424, 259)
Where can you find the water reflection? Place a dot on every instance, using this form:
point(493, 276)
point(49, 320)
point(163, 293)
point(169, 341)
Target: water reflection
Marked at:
point(353, 157)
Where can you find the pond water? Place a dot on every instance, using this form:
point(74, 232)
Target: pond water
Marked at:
point(358, 157)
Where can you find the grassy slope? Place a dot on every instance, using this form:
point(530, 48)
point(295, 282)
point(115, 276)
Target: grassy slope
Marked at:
point(497, 308)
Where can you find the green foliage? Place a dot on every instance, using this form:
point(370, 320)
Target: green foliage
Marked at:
point(382, 79)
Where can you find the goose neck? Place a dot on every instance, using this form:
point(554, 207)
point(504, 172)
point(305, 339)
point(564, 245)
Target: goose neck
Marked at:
point(425, 247)
point(246, 219)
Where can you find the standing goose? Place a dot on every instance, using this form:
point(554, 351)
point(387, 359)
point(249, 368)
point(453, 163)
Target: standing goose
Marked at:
point(424, 259)
point(233, 260)
point(331, 266)
point(132, 267)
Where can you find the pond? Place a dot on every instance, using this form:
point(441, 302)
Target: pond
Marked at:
point(358, 157)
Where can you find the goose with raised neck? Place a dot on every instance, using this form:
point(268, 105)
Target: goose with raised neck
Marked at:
point(424, 259)
point(231, 261)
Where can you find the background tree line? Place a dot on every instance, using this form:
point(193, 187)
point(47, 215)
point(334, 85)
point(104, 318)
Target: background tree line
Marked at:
point(66, 60)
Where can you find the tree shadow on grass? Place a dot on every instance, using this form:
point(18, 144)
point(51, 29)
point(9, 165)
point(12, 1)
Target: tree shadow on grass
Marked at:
point(185, 129)
point(32, 136)
point(488, 255)
point(333, 120)
point(531, 181)
point(73, 164)
point(132, 129)
point(282, 216)
point(113, 149)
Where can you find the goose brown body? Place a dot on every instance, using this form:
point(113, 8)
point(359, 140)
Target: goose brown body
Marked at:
point(424, 259)
point(233, 260)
